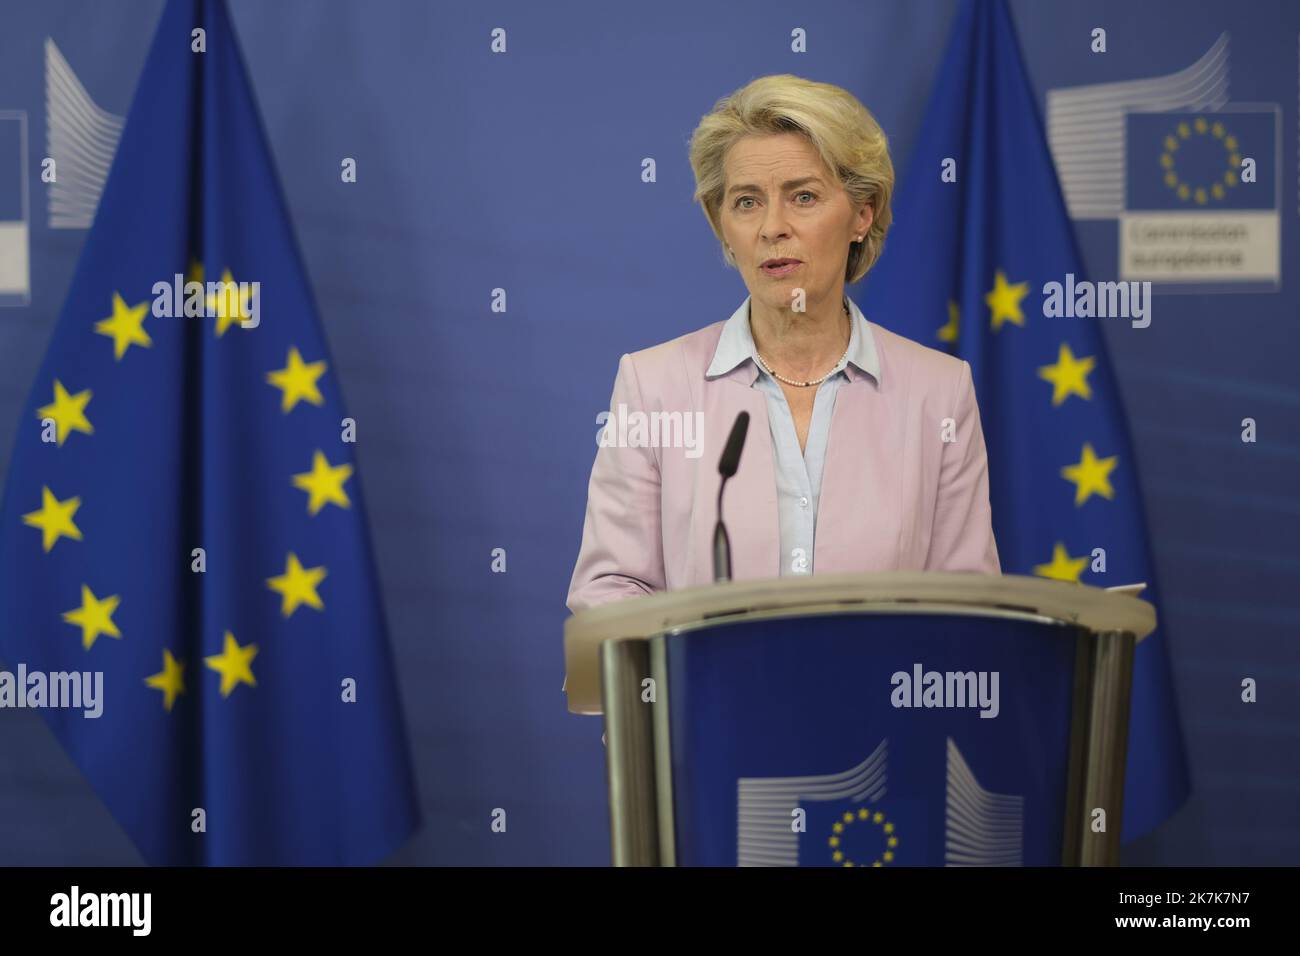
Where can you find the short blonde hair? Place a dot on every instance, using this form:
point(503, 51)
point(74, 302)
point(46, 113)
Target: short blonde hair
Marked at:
point(843, 131)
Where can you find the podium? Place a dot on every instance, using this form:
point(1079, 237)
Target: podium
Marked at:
point(886, 719)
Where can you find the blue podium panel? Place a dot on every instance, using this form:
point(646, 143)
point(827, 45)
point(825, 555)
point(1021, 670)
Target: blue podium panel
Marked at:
point(874, 739)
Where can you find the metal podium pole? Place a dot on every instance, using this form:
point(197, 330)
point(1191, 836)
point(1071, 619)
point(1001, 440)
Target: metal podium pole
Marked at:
point(1103, 683)
point(630, 754)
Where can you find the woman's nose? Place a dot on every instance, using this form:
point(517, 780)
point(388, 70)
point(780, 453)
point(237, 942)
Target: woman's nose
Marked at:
point(774, 224)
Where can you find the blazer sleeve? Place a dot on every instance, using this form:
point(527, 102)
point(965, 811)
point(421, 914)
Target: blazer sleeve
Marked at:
point(622, 539)
point(962, 536)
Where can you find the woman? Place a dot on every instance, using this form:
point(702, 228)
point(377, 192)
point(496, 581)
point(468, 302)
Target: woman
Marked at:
point(864, 450)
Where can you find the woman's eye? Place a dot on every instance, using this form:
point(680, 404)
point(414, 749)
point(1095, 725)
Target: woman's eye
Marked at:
point(744, 199)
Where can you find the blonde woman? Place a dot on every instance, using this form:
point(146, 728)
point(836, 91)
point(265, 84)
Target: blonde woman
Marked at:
point(864, 449)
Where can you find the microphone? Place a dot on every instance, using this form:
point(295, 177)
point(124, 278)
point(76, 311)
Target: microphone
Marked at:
point(727, 466)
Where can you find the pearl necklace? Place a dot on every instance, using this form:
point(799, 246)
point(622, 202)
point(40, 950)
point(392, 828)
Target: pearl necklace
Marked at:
point(781, 378)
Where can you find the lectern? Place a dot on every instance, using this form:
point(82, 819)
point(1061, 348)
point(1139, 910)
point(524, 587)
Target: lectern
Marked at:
point(890, 719)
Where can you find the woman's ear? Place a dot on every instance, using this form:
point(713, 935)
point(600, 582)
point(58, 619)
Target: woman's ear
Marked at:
point(866, 216)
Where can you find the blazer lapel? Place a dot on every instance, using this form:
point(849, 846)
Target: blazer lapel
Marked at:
point(858, 520)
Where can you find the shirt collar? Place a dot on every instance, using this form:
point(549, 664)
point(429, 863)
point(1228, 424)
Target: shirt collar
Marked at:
point(736, 345)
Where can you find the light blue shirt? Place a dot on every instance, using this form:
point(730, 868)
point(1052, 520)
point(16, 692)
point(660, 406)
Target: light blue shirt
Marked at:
point(798, 475)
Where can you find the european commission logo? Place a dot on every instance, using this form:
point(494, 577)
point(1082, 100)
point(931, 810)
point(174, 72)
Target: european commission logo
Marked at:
point(1192, 180)
point(1201, 197)
point(15, 271)
point(81, 142)
point(850, 819)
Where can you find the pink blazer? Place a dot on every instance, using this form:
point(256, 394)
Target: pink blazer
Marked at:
point(895, 494)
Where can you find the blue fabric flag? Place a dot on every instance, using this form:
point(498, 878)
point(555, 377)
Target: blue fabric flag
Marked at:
point(980, 229)
point(182, 512)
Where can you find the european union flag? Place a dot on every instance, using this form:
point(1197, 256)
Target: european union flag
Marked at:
point(980, 229)
point(182, 512)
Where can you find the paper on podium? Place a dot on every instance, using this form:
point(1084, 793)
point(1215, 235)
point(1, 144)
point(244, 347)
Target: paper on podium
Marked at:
point(1133, 589)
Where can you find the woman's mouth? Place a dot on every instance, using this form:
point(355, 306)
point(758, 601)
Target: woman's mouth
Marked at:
point(780, 267)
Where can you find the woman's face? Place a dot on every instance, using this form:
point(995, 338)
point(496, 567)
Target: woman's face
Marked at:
point(782, 203)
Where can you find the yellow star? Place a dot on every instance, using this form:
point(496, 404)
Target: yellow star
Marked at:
point(878, 817)
point(1069, 376)
point(1063, 567)
point(229, 303)
point(68, 412)
point(1091, 474)
point(834, 841)
point(864, 814)
point(195, 274)
point(848, 818)
point(54, 519)
point(324, 483)
point(838, 828)
point(170, 680)
point(125, 326)
point(297, 586)
point(889, 828)
point(948, 332)
point(837, 856)
point(889, 856)
point(298, 381)
point(1004, 301)
point(233, 664)
point(94, 617)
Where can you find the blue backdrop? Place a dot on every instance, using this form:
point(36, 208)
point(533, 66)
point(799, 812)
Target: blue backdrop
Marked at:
point(522, 171)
